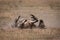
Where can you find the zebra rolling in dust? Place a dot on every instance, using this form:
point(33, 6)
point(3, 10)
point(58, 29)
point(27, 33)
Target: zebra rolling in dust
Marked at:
point(24, 23)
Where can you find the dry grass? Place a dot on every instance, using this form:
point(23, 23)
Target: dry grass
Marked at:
point(30, 34)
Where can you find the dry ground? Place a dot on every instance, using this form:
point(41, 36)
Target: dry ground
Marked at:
point(30, 34)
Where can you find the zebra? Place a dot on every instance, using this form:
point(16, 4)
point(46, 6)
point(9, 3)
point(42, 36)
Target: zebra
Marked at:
point(24, 23)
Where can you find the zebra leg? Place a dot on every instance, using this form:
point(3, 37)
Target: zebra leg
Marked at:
point(17, 21)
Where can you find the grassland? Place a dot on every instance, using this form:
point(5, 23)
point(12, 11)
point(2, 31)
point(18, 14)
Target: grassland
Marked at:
point(30, 34)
